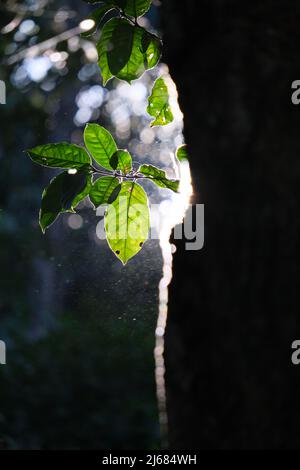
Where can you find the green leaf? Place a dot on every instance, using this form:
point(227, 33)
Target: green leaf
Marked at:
point(84, 193)
point(97, 16)
point(134, 8)
point(61, 155)
point(102, 47)
point(127, 221)
point(159, 177)
point(126, 51)
point(121, 160)
point(182, 153)
point(159, 106)
point(100, 144)
point(114, 194)
point(102, 190)
point(151, 47)
point(63, 194)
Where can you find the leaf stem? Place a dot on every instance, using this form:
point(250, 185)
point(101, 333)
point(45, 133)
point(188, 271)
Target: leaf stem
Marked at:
point(128, 176)
point(127, 17)
point(135, 23)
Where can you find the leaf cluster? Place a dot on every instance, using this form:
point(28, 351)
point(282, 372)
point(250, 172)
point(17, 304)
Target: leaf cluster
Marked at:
point(100, 170)
point(106, 175)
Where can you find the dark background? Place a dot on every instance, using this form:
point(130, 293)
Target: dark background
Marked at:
point(234, 306)
point(79, 328)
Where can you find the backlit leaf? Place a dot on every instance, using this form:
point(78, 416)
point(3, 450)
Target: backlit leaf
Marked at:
point(85, 192)
point(61, 155)
point(126, 51)
point(114, 194)
point(102, 190)
point(63, 194)
point(134, 8)
point(151, 47)
point(182, 153)
point(121, 160)
point(159, 177)
point(100, 144)
point(159, 106)
point(127, 221)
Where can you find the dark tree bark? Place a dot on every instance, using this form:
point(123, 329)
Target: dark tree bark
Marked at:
point(234, 305)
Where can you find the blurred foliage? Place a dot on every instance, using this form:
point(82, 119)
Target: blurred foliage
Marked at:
point(77, 389)
point(80, 371)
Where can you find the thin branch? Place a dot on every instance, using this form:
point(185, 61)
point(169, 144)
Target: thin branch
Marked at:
point(43, 46)
point(118, 175)
point(12, 25)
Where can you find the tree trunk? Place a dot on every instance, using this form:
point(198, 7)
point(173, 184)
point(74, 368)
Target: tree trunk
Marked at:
point(234, 305)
